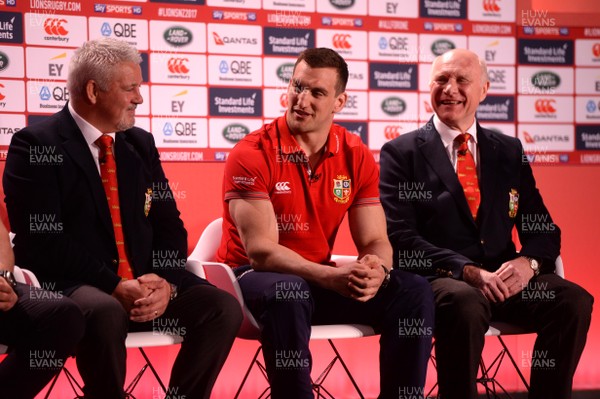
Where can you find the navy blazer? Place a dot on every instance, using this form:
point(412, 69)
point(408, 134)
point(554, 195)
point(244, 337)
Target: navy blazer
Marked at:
point(59, 212)
point(429, 223)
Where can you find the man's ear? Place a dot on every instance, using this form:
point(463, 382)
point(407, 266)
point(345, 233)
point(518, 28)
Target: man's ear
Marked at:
point(340, 102)
point(91, 91)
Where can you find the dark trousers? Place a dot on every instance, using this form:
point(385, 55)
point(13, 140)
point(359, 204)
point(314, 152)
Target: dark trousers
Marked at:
point(41, 331)
point(207, 318)
point(285, 306)
point(557, 310)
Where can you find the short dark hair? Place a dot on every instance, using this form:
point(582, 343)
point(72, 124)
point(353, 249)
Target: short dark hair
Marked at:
point(323, 57)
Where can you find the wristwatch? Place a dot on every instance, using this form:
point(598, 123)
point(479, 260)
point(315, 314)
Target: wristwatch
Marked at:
point(386, 279)
point(173, 291)
point(9, 277)
point(534, 264)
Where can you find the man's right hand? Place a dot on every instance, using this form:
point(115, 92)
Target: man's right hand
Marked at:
point(490, 284)
point(128, 291)
point(8, 296)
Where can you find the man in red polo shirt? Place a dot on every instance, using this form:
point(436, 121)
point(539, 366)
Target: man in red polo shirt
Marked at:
point(287, 188)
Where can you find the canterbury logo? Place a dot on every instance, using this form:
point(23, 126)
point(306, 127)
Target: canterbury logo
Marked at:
point(596, 49)
point(491, 5)
point(545, 106)
point(340, 40)
point(282, 186)
point(53, 26)
point(177, 65)
point(218, 40)
point(2, 96)
point(391, 132)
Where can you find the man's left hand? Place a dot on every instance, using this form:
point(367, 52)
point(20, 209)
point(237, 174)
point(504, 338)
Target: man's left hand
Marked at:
point(364, 281)
point(155, 303)
point(516, 274)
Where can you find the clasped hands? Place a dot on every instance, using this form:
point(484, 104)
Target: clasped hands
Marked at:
point(510, 279)
point(144, 298)
point(359, 279)
point(8, 296)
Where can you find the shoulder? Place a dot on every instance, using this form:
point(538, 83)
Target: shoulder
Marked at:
point(409, 141)
point(499, 138)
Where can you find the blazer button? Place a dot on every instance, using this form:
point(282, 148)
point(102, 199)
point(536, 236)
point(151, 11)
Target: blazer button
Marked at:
point(482, 242)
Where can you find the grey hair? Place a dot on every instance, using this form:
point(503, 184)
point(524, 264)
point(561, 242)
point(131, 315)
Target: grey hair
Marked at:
point(95, 60)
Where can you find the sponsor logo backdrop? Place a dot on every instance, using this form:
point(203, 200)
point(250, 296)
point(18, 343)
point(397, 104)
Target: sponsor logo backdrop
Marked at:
point(215, 70)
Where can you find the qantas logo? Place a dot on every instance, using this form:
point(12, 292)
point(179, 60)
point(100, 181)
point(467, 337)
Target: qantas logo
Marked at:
point(177, 65)
point(283, 100)
point(54, 26)
point(391, 131)
point(427, 107)
point(596, 49)
point(218, 40)
point(491, 5)
point(532, 139)
point(2, 96)
point(341, 41)
point(545, 106)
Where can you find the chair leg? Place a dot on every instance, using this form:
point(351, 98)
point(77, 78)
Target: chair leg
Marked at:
point(262, 370)
point(75, 386)
point(318, 383)
point(138, 376)
point(512, 360)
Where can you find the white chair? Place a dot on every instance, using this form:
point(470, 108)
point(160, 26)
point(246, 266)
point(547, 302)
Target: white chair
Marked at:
point(223, 277)
point(139, 340)
point(498, 329)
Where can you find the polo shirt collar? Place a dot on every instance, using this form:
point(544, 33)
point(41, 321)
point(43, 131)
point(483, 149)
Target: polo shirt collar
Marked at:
point(289, 145)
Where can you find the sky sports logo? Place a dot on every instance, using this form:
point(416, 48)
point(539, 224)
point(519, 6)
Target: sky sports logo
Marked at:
point(117, 9)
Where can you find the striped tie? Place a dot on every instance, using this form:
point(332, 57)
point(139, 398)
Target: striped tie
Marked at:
point(467, 173)
point(108, 172)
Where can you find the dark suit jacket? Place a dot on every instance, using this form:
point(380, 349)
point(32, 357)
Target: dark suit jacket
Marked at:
point(58, 209)
point(429, 223)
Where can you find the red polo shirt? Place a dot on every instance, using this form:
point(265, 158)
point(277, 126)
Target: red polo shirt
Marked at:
point(269, 165)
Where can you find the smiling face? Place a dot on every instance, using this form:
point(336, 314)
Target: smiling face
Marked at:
point(118, 103)
point(458, 84)
point(312, 99)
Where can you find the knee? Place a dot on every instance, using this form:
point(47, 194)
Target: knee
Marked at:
point(71, 319)
point(106, 319)
point(466, 306)
point(575, 302)
point(228, 310)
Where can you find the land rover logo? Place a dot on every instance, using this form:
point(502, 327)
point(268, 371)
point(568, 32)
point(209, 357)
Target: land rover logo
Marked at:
point(545, 80)
point(439, 47)
point(178, 36)
point(341, 4)
point(3, 61)
point(235, 132)
point(393, 106)
point(284, 72)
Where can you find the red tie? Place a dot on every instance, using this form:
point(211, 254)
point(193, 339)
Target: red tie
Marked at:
point(108, 171)
point(467, 173)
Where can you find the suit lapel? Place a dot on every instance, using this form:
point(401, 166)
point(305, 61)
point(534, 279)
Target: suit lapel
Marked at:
point(129, 178)
point(433, 150)
point(77, 149)
point(488, 174)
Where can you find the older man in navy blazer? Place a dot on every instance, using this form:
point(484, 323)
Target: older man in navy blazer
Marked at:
point(122, 262)
point(456, 229)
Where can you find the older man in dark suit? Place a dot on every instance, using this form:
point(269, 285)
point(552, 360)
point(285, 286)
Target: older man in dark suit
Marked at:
point(79, 192)
point(453, 192)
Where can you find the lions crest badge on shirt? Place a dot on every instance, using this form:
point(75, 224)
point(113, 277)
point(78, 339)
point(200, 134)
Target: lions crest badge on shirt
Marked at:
point(513, 203)
point(341, 189)
point(148, 202)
